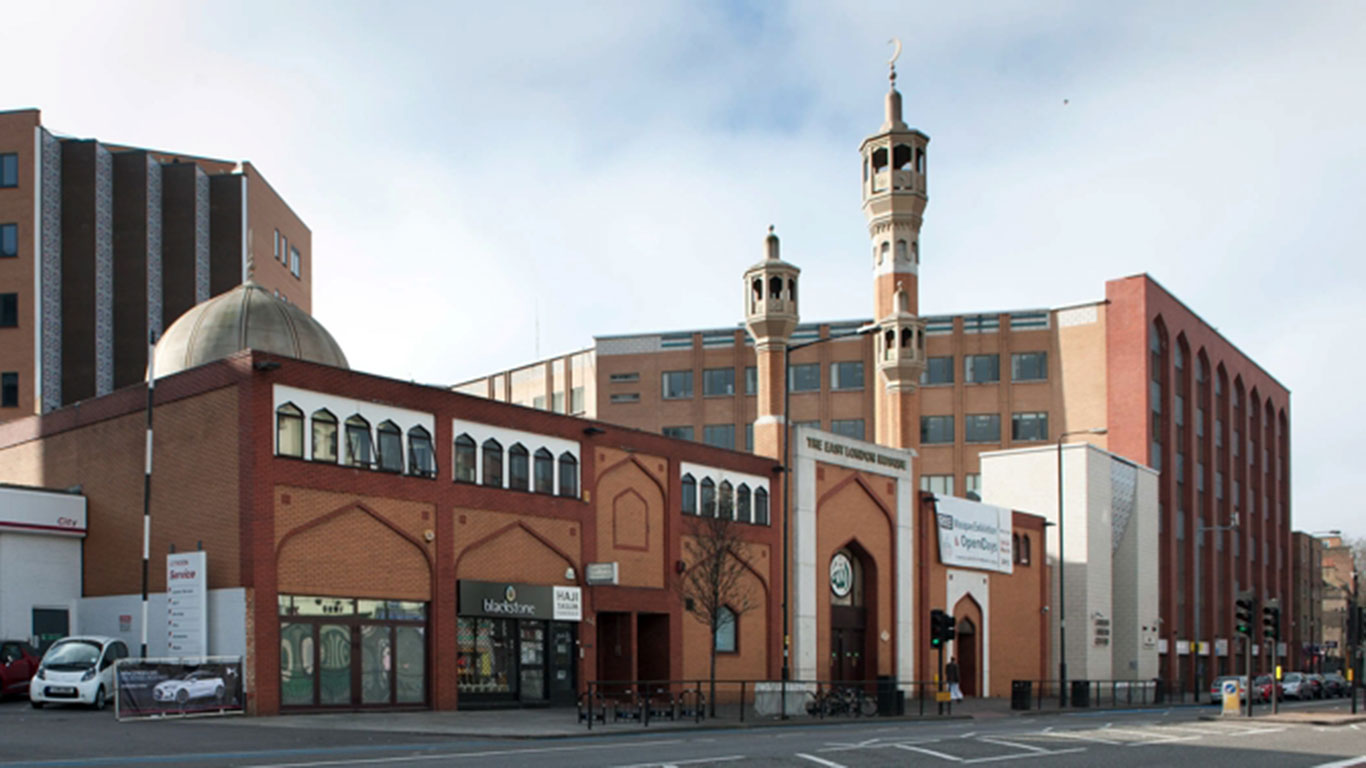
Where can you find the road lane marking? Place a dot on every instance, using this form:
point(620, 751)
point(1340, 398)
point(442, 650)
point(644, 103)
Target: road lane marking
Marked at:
point(1019, 755)
point(465, 755)
point(930, 752)
point(1078, 736)
point(819, 760)
point(1005, 743)
point(676, 763)
point(1350, 762)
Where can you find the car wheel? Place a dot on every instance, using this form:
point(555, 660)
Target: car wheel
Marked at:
point(98, 703)
point(35, 704)
point(218, 694)
point(182, 696)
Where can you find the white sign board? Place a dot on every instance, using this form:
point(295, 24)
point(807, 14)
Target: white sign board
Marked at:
point(973, 535)
point(187, 607)
point(601, 573)
point(568, 604)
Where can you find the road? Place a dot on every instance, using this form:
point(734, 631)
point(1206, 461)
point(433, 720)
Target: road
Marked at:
point(84, 739)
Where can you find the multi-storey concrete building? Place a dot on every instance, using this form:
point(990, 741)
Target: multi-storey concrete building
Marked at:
point(1306, 622)
point(102, 243)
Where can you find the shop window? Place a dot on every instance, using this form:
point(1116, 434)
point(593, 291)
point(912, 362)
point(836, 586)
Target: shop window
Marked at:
point(689, 495)
point(324, 436)
point(742, 510)
point(289, 431)
point(708, 497)
point(390, 447)
point(359, 450)
point(421, 457)
point(761, 506)
point(725, 502)
point(569, 475)
point(486, 661)
point(544, 471)
point(519, 467)
point(465, 459)
point(493, 463)
point(726, 624)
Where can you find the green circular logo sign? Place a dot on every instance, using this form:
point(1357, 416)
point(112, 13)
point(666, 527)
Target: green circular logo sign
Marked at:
point(841, 575)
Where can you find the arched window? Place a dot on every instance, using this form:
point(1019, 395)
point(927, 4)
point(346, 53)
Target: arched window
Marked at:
point(901, 250)
point(775, 287)
point(289, 431)
point(903, 302)
point(888, 343)
point(886, 250)
point(742, 511)
point(915, 251)
point(569, 475)
point(725, 502)
point(760, 506)
point(545, 471)
point(758, 288)
point(519, 467)
point(726, 625)
point(901, 157)
point(920, 161)
point(421, 458)
point(465, 459)
point(359, 449)
point(493, 463)
point(689, 495)
point(708, 497)
point(324, 436)
point(1025, 555)
point(1015, 548)
point(792, 291)
point(390, 447)
point(906, 337)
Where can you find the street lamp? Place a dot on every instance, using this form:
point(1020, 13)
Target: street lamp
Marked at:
point(863, 330)
point(1199, 597)
point(1062, 561)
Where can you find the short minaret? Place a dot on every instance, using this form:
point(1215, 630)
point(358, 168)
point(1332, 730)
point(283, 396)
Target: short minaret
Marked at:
point(893, 203)
point(771, 317)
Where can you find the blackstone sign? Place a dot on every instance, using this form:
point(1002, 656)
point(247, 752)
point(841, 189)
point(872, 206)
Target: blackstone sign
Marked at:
point(973, 535)
point(520, 601)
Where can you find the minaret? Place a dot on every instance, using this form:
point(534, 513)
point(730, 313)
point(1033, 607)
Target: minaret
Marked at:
point(894, 203)
point(771, 317)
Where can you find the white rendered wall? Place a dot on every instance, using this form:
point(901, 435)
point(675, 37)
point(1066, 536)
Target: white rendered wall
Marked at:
point(227, 621)
point(37, 571)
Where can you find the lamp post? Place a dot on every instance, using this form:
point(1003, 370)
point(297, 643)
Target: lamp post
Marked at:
point(1199, 597)
point(1062, 561)
point(863, 330)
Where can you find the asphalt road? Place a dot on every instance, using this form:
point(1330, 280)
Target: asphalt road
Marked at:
point(86, 739)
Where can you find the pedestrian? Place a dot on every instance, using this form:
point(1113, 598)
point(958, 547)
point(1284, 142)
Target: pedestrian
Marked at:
point(951, 677)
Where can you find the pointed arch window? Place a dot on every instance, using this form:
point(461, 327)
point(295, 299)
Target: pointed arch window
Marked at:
point(465, 459)
point(742, 510)
point(324, 436)
point(727, 622)
point(725, 502)
point(569, 475)
point(519, 468)
point(390, 447)
point(289, 431)
point(359, 448)
point(901, 250)
point(689, 495)
point(421, 457)
point(545, 471)
point(761, 506)
point(884, 252)
point(493, 463)
point(708, 497)
point(1025, 554)
point(775, 287)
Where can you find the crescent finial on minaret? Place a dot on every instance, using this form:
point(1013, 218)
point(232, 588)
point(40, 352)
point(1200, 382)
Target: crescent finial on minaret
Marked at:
point(891, 63)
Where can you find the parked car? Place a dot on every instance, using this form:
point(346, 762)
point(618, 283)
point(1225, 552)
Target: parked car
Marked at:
point(1216, 688)
point(1262, 687)
point(1335, 685)
point(1316, 682)
point(77, 670)
point(1295, 686)
point(18, 663)
point(199, 684)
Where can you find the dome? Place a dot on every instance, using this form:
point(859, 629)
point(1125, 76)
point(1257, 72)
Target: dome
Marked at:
point(247, 317)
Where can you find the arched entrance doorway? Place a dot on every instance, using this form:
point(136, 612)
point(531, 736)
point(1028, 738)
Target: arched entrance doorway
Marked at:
point(967, 645)
point(851, 592)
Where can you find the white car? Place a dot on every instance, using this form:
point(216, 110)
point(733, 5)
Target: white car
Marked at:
point(200, 684)
point(77, 670)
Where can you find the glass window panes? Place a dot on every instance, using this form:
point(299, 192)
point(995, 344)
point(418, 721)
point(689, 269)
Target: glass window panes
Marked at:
point(9, 391)
point(938, 370)
point(9, 170)
point(465, 459)
point(749, 436)
point(751, 380)
point(390, 447)
point(677, 385)
point(761, 506)
point(486, 660)
point(421, 458)
point(981, 369)
point(742, 508)
point(569, 475)
point(682, 433)
point(848, 427)
point(324, 436)
point(545, 471)
point(410, 664)
point(805, 377)
point(708, 497)
point(376, 648)
point(846, 375)
point(1029, 366)
point(334, 664)
point(1029, 426)
point(294, 261)
point(982, 428)
point(936, 429)
point(726, 623)
point(297, 664)
point(358, 446)
point(519, 467)
point(9, 240)
point(972, 483)
point(719, 435)
point(576, 400)
point(718, 381)
point(940, 485)
point(289, 431)
point(493, 463)
point(689, 495)
point(9, 310)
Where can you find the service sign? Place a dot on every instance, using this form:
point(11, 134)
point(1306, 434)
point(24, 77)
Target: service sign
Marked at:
point(187, 604)
point(974, 535)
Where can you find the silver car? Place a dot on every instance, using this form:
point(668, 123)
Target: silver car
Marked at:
point(1295, 686)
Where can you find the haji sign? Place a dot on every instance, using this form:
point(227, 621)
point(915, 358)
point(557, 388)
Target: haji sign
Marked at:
point(187, 605)
point(973, 535)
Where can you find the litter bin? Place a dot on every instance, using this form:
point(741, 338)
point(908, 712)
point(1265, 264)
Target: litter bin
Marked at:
point(891, 700)
point(1081, 693)
point(1021, 693)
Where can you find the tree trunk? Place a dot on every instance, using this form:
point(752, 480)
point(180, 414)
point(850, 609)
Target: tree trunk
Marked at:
point(712, 695)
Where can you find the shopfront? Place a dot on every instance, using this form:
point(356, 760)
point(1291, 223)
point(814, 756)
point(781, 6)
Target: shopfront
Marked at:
point(517, 644)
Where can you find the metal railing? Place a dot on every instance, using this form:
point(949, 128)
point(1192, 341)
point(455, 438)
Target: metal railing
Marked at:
point(1081, 694)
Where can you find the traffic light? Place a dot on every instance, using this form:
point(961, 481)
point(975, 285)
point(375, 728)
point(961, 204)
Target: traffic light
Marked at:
point(941, 628)
point(1242, 619)
point(1271, 620)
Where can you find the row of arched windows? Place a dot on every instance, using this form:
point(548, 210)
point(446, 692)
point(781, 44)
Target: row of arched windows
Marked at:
point(523, 470)
point(1020, 543)
point(725, 501)
point(382, 450)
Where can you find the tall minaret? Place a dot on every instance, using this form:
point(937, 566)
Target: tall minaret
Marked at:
point(771, 317)
point(894, 203)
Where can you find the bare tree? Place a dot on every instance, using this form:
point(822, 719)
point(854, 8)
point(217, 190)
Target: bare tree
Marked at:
point(713, 586)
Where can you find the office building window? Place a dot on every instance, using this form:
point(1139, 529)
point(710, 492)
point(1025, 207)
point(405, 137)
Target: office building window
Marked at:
point(939, 485)
point(9, 170)
point(1029, 426)
point(982, 428)
point(294, 261)
point(1029, 366)
point(972, 483)
point(324, 436)
point(622, 378)
point(576, 401)
point(538, 402)
point(9, 389)
point(9, 310)
point(719, 435)
point(938, 370)
point(682, 433)
point(9, 240)
point(981, 369)
point(749, 437)
point(846, 375)
point(751, 380)
point(284, 249)
point(936, 429)
point(626, 397)
point(718, 381)
point(277, 245)
point(848, 427)
point(805, 377)
point(813, 424)
point(677, 385)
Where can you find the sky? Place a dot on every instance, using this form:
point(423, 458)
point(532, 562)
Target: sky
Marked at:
point(490, 183)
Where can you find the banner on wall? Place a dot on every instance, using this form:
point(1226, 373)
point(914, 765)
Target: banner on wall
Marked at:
point(973, 534)
point(170, 687)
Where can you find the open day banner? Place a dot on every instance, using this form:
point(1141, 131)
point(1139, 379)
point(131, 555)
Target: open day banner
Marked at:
point(973, 535)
